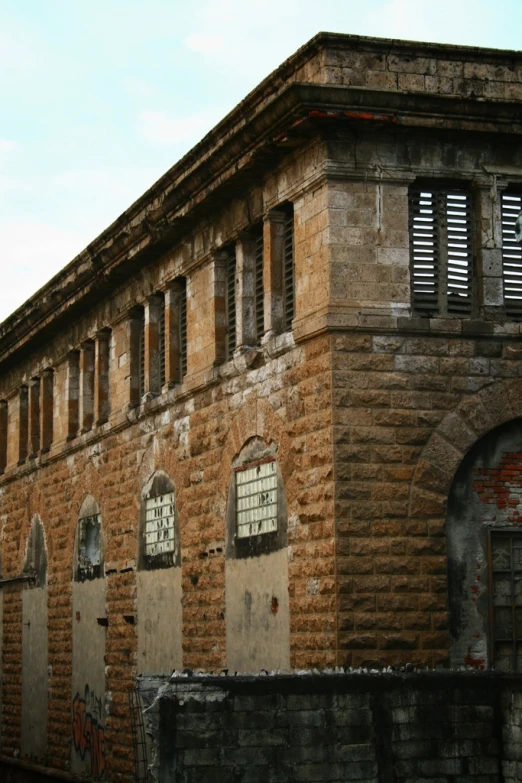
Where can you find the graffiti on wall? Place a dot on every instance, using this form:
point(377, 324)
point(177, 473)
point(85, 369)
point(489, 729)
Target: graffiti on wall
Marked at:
point(88, 731)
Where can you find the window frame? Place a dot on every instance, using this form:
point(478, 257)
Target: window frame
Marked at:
point(506, 532)
point(440, 247)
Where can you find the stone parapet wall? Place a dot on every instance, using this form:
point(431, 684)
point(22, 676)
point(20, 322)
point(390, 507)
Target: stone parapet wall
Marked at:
point(366, 727)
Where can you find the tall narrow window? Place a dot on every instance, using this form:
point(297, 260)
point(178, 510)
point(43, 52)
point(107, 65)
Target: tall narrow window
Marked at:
point(183, 331)
point(73, 393)
point(511, 256)
point(89, 542)
point(441, 252)
point(288, 271)
point(101, 377)
point(23, 423)
point(34, 417)
point(161, 344)
point(231, 305)
point(3, 434)
point(159, 541)
point(506, 600)
point(259, 305)
point(141, 355)
point(46, 409)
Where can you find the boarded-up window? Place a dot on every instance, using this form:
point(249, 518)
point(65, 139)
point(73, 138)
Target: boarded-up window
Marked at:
point(511, 256)
point(441, 252)
point(506, 600)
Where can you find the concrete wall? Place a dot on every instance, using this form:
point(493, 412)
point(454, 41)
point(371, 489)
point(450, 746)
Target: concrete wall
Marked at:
point(88, 694)
point(258, 613)
point(160, 623)
point(35, 674)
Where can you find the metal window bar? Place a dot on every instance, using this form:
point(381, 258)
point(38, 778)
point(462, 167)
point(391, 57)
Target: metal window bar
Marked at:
point(511, 204)
point(231, 305)
point(441, 252)
point(161, 344)
point(183, 334)
point(259, 290)
point(505, 571)
point(141, 768)
point(141, 356)
point(288, 271)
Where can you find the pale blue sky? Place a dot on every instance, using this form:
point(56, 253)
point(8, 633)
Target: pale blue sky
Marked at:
point(100, 98)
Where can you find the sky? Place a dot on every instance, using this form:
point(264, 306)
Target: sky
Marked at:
point(98, 99)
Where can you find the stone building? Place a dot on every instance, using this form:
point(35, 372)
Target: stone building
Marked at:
point(270, 418)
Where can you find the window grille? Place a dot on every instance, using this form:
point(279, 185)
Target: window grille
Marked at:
point(159, 525)
point(256, 499)
point(89, 547)
point(231, 305)
point(441, 252)
point(505, 563)
point(141, 356)
point(288, 271)
point(511, 205)
point(183, 333)
point(161, 344)
point(259, 290)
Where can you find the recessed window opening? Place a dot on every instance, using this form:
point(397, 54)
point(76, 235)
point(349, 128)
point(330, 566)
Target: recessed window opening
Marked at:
point(506, 599)
point(288, 271)
point(441, 250)
point(159, 525)
point(141, 355)
point(259, 306)
point(511, 205)
point(231, 304)
point(256, 498)
point(89, 547)
point(161, 344)
point(183, 332)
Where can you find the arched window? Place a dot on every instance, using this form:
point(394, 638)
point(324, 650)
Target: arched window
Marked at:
point(89, 542)
point(484, 535)
point(257, 516)
point(159, 538)
point(36, 553)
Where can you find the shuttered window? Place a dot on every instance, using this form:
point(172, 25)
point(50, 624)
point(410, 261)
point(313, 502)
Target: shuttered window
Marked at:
point(183, 332)
point(511, 256)
point(288, 271)
point(259, 291)
point(231, 305)
point(441, 252)
point(161, 344)
point(141, 354)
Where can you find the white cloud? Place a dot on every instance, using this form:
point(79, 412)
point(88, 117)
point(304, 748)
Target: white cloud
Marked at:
point(164, 128)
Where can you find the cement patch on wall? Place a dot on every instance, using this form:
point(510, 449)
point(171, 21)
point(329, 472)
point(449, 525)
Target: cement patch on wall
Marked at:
point(35, 676)
point(160, 648)
point(258, 613)
point(88, 678)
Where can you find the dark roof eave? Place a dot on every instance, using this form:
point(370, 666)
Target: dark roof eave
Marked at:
point(143, 224)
